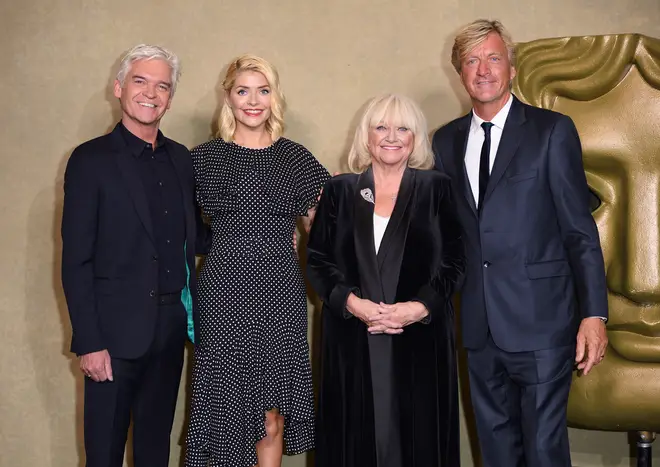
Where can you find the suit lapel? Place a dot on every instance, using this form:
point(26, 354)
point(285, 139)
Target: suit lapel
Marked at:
point(460, 145)
point(509, 143)
point(390, 253)
point(363, 236)
point(133, 183)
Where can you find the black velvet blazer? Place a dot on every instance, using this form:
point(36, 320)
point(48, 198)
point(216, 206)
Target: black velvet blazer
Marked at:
point(420, 258)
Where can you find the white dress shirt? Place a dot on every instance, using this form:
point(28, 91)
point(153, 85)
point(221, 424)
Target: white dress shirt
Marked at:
point(476, 140)
point(380, 224)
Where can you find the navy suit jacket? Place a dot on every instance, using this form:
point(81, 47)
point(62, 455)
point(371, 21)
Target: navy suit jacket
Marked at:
point(109, 257)
point(534, 261)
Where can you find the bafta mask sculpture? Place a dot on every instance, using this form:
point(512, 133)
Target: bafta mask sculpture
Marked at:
point(610, 87)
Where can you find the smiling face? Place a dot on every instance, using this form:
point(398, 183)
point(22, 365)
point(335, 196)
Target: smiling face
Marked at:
point(486, 73)
point(390, 144)
point(145, 95)
point(250, 101)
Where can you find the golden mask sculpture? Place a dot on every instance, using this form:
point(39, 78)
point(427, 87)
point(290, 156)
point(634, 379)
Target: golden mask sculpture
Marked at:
point(610, 87)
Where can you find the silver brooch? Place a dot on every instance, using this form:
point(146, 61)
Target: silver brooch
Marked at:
point(368, 195)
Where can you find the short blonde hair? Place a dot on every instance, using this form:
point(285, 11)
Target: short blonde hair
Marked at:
point(395, 110)
point(275, 123)
point(473, 35)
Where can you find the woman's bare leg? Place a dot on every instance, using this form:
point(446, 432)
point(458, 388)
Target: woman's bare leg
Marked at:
point(269, 449)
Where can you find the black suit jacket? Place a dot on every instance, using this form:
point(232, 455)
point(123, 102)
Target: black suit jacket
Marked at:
point(535, 265)
point(109, 258)
point(420, 258)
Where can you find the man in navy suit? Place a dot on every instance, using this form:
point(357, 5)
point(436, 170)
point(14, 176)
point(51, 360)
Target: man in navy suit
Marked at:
point(129, 230)
point(534, 300)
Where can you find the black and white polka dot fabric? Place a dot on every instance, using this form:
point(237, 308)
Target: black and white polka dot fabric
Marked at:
point(252, 354)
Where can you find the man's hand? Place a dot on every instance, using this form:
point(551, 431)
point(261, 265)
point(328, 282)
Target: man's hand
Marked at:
point(395, 317)
point(591, 344)
point(96, 365)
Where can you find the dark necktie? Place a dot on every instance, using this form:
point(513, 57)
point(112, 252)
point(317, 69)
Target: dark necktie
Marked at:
point(484, 163)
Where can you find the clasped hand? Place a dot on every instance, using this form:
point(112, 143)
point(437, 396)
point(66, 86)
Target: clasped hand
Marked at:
point(382, 318)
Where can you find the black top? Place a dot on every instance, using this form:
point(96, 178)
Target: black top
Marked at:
point(387, 400)
point(163, 192)
point(109, 275)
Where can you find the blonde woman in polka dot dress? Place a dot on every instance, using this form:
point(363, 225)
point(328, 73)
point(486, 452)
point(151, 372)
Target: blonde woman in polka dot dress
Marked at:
point(252, 395)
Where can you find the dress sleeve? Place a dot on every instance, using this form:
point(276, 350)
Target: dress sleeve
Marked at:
point(310, 176)
point(197, 154)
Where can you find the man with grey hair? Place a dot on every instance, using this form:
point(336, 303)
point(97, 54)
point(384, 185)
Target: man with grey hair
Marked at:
point(534, 299)
point(130, 230)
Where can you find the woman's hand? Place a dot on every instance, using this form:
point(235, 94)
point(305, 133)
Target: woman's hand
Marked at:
point(362, 309)
point(391, 319)
point(308, 220)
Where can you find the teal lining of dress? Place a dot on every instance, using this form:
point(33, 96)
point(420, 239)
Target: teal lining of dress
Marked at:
point(186, 298)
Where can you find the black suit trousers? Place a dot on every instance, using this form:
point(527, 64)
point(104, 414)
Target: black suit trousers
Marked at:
point(145, 388)
point(520, 401)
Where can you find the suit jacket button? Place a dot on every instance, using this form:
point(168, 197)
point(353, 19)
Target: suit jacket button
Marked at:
point(155, 257)
point(152, 293)
point(486, 264)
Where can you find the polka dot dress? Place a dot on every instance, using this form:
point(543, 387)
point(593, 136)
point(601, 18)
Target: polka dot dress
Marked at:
point(252, 353)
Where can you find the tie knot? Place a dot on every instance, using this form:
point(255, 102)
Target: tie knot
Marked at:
point(487, 126)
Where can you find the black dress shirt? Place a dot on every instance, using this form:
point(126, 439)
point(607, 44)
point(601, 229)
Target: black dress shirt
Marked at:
point(163, 191)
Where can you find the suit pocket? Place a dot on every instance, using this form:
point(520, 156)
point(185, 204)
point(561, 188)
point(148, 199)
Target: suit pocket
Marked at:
point(548, 269)
point(522, 176)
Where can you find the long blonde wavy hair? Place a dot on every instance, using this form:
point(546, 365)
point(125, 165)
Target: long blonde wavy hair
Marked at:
point(275, 123)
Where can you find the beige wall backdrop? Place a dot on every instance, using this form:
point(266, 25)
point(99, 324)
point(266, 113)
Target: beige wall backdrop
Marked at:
point(58, 60)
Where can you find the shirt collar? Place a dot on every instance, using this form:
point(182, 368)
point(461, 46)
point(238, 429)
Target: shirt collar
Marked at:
point(137, 145)
point(498, 120)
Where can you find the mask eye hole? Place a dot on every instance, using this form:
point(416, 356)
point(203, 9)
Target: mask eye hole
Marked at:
point(594, 200)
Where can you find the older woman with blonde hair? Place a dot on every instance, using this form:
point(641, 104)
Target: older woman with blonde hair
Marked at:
point(385, 254)
point(252, 394)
